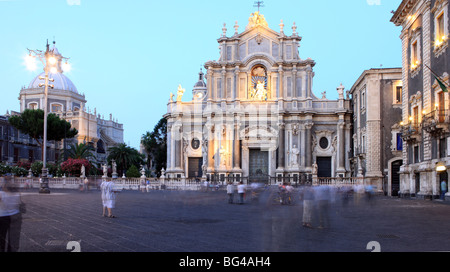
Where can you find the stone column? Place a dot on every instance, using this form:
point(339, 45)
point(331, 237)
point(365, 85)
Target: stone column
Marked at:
point(280, 83)
point(309, 78)
point(223, 91)
point(237, 147)
point(427, 91)
point(210, 147)
point(169, 146)
point(281, 146)
point(209, 82)
point(308, 144)
point(341, 149)
point(178, 145)
point(294, 82)
point(235, 84)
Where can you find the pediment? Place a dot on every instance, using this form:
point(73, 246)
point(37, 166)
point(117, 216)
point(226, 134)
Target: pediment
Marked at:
point(259, 32)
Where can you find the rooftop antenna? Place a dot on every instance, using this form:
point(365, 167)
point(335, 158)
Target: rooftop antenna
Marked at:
point(258, 4)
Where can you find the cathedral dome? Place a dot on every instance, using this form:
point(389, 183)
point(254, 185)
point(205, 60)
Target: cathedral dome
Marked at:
point(61, 82)
point(201, 82)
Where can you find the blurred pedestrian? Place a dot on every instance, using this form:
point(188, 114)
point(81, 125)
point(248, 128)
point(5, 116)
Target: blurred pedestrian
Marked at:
point(241, 192)
point(289, 193)
point(230, 192)
point(11, 207)
point(322, 196)
point(359, 193)
point(370, 193)
point(307, 195)
point(443, 189)
point(108, 197)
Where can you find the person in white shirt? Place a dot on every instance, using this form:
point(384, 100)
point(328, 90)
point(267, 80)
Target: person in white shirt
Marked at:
point(108, 197)
point(230, 192)
point(241, 192)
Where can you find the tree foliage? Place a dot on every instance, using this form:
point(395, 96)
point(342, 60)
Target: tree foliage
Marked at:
point(31, 122)
point(125, 156)
point(155, 143)
point(133, 172)
point(80, 151)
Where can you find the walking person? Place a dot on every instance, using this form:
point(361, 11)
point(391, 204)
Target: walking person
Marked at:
point(322, 196)
point(443, 189)
point(308, 206)
point(289, 191)
point(241, 192)
point(108, 197)
point(230, 192)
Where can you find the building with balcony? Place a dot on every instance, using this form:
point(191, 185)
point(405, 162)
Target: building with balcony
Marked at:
point(377, 136)
point(425, 58)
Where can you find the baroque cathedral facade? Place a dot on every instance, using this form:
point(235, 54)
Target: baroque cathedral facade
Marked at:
point(254, 113)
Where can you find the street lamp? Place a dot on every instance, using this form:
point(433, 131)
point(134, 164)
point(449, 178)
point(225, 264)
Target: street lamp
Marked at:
point(50, 62)
point(440, 167)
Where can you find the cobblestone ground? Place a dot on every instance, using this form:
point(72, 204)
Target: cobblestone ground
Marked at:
point(177, 221)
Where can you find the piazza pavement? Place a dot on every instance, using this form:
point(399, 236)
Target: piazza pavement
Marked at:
point(197, 221)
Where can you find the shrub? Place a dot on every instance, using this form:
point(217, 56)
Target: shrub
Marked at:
point(133, 172)
point(73, 166)
point(19, 171)
point(36, 168)
point(5, 169)
point(25, 164)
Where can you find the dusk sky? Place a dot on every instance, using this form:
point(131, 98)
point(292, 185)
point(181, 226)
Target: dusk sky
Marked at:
point(128, 56)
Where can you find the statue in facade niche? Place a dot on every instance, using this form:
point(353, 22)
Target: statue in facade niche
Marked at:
point(223, 156)
point(314, 169)
point(295, 152)
point(259, 93)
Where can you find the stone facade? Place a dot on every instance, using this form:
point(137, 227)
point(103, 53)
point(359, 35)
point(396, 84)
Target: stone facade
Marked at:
point(425, 29)
point(376, 103)
point(256, 114)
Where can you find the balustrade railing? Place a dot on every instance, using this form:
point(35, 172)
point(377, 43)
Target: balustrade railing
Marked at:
point(178, 183)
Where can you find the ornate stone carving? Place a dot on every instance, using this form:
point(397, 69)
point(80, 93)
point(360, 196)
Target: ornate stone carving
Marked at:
point(256, 19)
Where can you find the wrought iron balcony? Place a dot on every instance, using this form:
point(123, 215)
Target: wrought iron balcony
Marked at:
point(436, 122)
point(411, 132)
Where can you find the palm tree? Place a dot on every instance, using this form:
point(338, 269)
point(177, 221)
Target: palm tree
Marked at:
point(80, 151)
point(125, 156)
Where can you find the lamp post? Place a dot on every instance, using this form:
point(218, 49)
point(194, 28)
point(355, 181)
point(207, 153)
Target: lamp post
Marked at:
point(50, 62)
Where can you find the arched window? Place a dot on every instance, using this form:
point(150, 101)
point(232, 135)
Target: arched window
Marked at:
point(33, 106)
point(100, 147)
point(56, 107)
